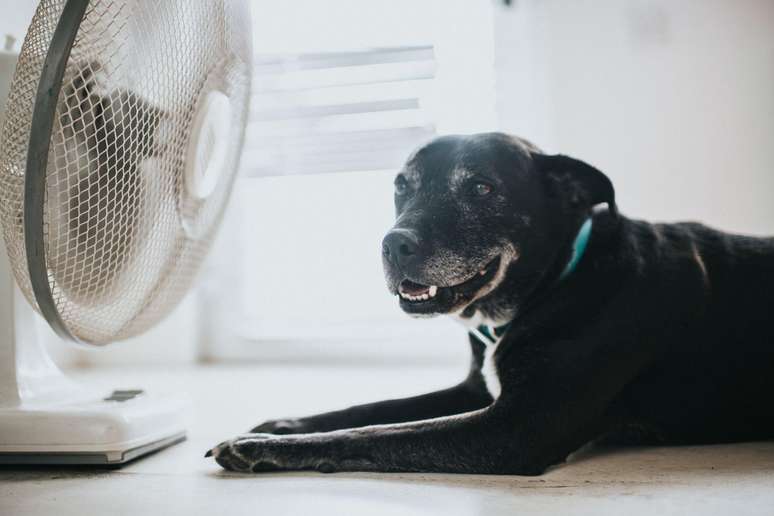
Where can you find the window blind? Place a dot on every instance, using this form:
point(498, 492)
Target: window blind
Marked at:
point(338, 111)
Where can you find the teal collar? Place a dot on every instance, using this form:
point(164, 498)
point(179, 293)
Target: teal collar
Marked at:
point(578, 249)
point(491, 334)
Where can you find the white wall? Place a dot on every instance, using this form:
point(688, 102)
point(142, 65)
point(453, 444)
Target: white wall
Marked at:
point(16, 17)
point(673, 99)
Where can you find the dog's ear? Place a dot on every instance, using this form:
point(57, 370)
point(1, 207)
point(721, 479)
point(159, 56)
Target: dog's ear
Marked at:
point(583, 185)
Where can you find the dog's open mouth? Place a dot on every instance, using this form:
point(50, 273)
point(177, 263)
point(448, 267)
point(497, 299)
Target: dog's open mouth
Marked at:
point(425, 298)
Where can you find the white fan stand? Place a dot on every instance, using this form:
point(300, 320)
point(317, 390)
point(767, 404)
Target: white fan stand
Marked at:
point(45, 418)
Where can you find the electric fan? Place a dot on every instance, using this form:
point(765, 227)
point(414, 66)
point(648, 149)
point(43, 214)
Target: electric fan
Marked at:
point(122, 135)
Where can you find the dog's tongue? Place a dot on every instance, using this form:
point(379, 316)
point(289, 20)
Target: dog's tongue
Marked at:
point(413, 289)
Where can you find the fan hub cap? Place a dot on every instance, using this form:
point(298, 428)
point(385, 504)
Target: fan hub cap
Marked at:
point(208, 147)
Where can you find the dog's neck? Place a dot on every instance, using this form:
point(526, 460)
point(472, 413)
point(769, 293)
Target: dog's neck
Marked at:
point(489, 332)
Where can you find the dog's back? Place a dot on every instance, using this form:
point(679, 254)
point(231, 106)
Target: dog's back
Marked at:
point(712, 297)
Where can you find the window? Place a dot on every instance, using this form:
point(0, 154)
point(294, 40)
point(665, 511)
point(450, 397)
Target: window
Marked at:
point(338, 111)
point(337, 107)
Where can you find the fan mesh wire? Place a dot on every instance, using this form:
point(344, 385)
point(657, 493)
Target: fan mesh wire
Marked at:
point(123, 239)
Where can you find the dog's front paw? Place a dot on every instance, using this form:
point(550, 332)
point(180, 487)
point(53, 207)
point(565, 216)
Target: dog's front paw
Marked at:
point(281, 427)
point(246, 453)
point(267, 452)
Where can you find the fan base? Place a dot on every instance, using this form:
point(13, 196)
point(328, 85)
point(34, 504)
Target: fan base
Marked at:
point(45, 418)
point(108, 431)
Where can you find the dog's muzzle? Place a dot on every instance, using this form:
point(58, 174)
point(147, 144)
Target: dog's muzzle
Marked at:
point(404, 260)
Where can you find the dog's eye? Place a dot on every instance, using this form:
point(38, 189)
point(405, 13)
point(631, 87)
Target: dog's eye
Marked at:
point(482, 189)
point(401, 185)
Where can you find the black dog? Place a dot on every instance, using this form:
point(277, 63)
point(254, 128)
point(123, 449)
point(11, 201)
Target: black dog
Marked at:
point(585, 325)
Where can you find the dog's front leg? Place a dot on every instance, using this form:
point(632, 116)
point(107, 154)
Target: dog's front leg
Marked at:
point(467, 396)
point(475, 442)
point(461, 398)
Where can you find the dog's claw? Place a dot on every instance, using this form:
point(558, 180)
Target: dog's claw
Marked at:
point(208, 454)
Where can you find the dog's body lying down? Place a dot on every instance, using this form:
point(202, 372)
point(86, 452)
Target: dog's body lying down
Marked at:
point(588, 326)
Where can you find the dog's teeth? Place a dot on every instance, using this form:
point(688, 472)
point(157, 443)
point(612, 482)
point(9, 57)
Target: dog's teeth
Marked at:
point(482, 272)
point(431, 292)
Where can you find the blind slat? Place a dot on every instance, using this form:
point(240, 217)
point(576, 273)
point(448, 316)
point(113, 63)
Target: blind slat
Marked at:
point(338, 111)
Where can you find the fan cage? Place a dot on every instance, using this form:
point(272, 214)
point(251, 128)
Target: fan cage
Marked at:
point(120, 238)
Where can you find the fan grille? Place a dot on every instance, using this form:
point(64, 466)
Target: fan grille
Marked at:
point(122, 237)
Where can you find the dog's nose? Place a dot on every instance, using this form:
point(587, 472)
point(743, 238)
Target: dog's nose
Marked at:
point(400, 246)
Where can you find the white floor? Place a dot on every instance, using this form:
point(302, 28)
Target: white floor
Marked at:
point(733, 479)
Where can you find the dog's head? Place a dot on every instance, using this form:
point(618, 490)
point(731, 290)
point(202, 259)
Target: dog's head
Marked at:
point(481, 220)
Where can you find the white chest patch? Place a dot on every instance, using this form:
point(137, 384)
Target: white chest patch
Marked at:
point(488, 365)
point(489, 371)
